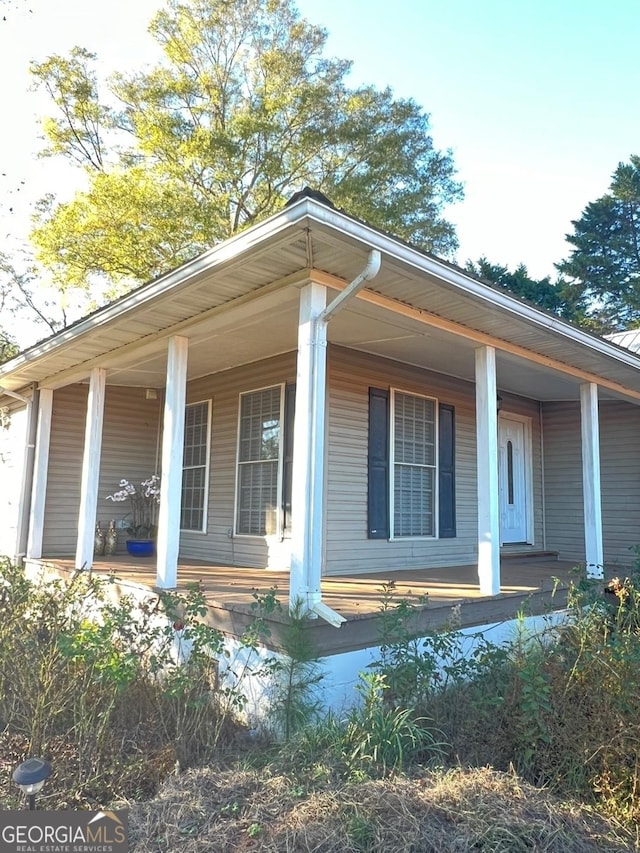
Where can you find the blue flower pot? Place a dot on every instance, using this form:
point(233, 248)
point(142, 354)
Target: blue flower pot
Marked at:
point(141, 547)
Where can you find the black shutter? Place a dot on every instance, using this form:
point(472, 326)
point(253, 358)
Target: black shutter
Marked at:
point(447, 471)
point(378, 491)
point(287, 448)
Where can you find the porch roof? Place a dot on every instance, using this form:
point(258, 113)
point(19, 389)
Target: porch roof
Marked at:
point(238, 303)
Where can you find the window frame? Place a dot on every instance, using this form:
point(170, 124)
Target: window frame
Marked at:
point(278, 532)
point(392, 467)
point(207, 469)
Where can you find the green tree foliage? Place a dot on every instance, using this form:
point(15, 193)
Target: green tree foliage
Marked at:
point(561, 297)
point(605, 261)
point(242, 111)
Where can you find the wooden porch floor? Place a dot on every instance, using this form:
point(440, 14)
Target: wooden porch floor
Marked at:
point(528, 585)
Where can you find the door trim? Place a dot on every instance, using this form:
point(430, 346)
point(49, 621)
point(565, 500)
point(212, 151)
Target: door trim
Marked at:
point(526, 421)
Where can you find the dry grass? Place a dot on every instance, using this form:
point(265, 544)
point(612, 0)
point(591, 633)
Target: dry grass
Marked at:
point(456, 810)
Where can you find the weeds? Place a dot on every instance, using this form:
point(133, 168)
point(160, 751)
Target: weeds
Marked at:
point(121, 691)
point(386, 739)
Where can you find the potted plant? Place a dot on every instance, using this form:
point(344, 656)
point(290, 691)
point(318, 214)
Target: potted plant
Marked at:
point(143, 499)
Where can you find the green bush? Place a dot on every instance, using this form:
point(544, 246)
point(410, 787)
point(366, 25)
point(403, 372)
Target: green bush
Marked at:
point(117, 691)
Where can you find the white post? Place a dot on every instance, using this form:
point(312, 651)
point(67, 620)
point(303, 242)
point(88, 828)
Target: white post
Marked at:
point(40, 467)
point(90, 468)
point(594, 554)
point(26, 481)
point(168, 543)
point(308, 451)
point(487, 453)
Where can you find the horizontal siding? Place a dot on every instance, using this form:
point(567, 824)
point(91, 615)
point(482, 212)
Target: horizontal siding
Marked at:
point(563, 480)
point(620, 480)
point(224, 390)
point(620, 472)
point(64, 472)
point(348, 549)
point(129, 448)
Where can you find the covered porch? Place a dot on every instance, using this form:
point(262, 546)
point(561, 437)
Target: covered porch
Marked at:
point(533, 584)
point(323, 338)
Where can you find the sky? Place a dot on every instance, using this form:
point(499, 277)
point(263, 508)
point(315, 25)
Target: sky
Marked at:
point(536, 99)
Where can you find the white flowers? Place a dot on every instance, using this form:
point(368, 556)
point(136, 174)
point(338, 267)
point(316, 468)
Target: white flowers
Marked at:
point(143, 499)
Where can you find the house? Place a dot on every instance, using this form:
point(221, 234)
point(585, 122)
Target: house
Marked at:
point(323, 400)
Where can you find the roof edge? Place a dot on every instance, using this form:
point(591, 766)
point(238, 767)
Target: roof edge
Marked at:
point(314, 210)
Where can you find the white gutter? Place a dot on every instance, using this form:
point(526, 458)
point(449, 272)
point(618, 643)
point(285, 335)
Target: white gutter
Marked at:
point(459, 280)
point(315, 497)
point(308, 209)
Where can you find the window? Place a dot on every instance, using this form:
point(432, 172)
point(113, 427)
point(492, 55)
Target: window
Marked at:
point(259, 475)
point(414, 465)
point(195, 466)
point(403, 476)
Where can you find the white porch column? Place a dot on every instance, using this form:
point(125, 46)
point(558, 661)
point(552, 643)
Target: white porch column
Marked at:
point(40, 467)
point(26, 481)
point(168, 542)
point(487, 453)
point(308, 451)
point(590, 431)
point(90, 468)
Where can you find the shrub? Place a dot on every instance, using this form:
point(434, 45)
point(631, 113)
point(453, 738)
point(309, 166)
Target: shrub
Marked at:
point(118, 691)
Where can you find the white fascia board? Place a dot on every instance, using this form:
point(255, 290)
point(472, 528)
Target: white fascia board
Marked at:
point(458, 279)
point(308, 210)
point(230, 249)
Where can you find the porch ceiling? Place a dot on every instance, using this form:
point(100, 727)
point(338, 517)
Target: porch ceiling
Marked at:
point(238, 303)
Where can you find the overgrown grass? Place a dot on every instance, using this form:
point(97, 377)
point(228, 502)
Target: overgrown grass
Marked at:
point(562, 707)
point(117, 692)
point(122, 694)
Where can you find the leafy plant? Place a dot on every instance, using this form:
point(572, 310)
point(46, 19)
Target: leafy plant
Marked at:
point(416, 668)
point(296, 676)
point(385, 738)
point(124, 689)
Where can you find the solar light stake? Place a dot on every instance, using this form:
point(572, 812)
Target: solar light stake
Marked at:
point(30, 776)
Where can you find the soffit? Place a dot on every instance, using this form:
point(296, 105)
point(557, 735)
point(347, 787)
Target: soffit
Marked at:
point(239, 303)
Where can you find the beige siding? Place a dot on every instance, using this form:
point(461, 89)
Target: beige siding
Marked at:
point(224, 390)
point(563, 480)
point(63, 475)
point(347, 547)
point(620, 469)
point(620, 476)
point(12, 448)
point(129, 450)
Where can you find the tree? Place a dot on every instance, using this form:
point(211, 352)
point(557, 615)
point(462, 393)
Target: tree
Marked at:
point(605, 263)
point(560, 297)
point(22, 299)
point(243, 110)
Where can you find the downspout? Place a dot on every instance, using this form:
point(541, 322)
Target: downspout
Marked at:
point(314, 596)
point(24, 515)
point(369, 272)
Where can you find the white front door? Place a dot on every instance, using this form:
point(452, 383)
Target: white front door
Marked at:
point(512, 448)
